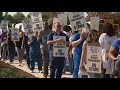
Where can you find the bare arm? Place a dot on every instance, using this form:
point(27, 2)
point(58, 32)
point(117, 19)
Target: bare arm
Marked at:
point(51, 42)
point(112, 52)
point(84, 54)
point(75, 43)
point(70, 47)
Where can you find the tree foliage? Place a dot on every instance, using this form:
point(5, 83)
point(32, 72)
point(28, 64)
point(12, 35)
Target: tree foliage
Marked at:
point(46, 16)
point(18, 17)
point(1, 16)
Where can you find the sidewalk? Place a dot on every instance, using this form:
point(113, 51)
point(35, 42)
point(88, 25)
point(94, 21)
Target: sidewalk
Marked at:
point(36, 72)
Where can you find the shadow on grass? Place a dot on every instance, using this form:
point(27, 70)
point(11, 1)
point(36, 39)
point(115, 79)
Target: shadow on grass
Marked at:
point(8, 71)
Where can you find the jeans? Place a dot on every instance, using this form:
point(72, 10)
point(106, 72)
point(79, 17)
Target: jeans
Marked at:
point(11, 52)
point(56, 68)
point(64, 69)
point(27, 56)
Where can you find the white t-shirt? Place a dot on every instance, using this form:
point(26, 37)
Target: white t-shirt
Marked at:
point(105, 42)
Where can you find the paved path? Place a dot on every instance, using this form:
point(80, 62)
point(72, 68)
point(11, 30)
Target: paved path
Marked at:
point(36, 73)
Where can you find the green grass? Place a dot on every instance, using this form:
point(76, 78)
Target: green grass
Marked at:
point(8, 71)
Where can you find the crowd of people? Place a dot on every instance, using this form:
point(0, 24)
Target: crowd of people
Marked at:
point(39, 48)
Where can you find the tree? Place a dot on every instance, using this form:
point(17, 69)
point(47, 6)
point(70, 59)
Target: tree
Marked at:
point(1, 16)
point(18, 17)
point(28, 16)
point(46, 16)
point(9, 18)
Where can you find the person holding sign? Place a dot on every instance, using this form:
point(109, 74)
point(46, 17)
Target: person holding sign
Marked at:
point(34, 52)
point(92, 40)
point(77, 42)
point(57, 60)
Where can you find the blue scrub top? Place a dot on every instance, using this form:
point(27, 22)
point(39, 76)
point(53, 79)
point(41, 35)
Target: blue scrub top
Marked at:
point(35, 45)
point(78, 48)
point(116, 45)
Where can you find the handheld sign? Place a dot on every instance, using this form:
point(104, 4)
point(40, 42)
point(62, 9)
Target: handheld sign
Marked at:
point(28, 27)
point(59, 49)
point(77, 20)
point(94, 59)
point(94, 23)
point(62, 18)
point(15, 34)
point(37, 22)
point(4, 25)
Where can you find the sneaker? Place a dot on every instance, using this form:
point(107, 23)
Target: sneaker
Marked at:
point(32, 71)
point(21, 65)
point(11, 62)
point(40, 71)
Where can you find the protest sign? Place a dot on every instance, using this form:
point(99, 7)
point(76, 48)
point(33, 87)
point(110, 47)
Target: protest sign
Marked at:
point(63, 19)
point(94, 23)
point(59, 48)
point(4, 25)
point(36, 17)
point(37, 22)
point(15, 34)
point(77, 20)
point(28, 27)
point(94, 59)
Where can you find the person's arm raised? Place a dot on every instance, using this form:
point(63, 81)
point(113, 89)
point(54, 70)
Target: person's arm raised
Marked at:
point(75, 43)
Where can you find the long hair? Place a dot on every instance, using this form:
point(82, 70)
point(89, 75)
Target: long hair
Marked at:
point(89, 39)
point(108, 29)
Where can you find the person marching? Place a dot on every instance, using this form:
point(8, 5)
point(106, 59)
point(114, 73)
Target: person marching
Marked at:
point(34, 52)
point(56, 63)
point(44, 48)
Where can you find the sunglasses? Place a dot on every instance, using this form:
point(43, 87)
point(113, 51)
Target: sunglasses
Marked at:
point(58, 26)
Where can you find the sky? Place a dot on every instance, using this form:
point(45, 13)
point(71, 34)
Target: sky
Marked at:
point(12, 13)
point(26, 13)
